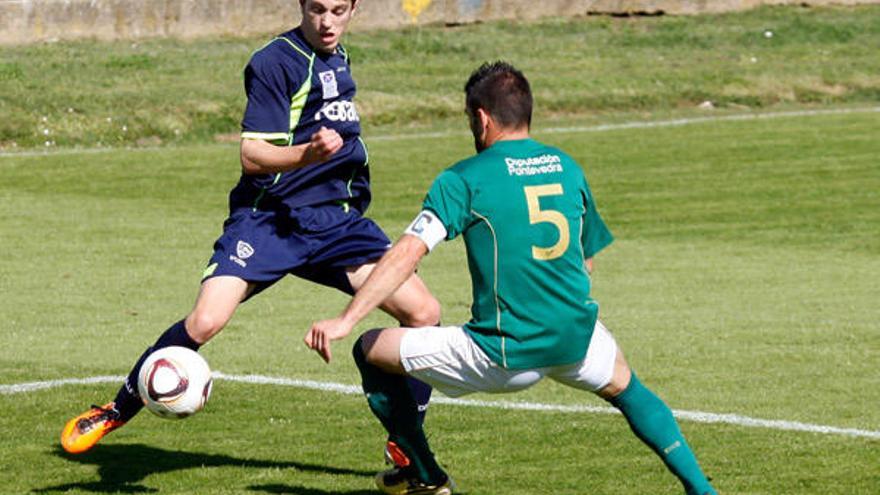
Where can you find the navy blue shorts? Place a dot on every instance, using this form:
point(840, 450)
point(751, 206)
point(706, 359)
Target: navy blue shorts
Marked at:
point(316, 243)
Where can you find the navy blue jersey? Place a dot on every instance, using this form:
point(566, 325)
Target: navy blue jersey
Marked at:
point(292, 91)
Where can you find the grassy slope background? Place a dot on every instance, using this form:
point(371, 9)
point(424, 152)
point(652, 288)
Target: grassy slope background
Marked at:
point(163, 91)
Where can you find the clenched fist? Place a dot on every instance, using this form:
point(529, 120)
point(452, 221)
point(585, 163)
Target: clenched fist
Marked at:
point(323, 145)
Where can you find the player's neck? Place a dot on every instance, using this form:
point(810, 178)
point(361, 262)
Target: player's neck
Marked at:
point(497, 134)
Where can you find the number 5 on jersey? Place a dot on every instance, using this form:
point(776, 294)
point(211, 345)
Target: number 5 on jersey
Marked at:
point(537, 215)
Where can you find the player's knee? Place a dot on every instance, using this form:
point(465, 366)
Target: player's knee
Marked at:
point(620, 380)
point(202, 325)
point(613, 389)
point(378, 350)
point(425, 315)
point(362, 347)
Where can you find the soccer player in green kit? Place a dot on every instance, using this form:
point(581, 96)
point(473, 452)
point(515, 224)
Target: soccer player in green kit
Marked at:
point(531, 229)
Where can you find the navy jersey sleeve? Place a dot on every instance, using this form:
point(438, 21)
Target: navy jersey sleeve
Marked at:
point(268, 79)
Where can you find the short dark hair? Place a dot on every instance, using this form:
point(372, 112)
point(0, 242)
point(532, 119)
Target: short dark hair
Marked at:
point(503, 92)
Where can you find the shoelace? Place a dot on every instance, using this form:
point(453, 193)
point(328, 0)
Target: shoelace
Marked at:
point(86, 424)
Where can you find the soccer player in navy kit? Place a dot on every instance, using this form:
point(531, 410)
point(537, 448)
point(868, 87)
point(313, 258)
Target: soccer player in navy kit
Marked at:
point(298, 207)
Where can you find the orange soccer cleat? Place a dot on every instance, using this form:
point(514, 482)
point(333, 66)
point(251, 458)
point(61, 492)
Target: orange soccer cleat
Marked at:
point(83, 432)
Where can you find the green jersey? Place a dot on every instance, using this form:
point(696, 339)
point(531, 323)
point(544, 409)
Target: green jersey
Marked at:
point(529, 220)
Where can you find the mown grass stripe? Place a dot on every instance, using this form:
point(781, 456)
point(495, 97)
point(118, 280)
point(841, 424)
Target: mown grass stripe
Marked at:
point(639, 124)
point(339, 388)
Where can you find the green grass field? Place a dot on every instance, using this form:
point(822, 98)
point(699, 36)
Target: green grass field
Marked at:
point(153, 92)
point(743, 281)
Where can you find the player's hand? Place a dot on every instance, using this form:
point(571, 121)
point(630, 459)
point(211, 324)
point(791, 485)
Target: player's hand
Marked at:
point(322, 333)
point(322, 145)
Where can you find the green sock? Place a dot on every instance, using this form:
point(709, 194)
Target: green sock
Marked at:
point(652, 421)
point(391, 400)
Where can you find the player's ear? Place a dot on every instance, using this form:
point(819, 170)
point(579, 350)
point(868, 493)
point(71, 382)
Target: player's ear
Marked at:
point(484, 118)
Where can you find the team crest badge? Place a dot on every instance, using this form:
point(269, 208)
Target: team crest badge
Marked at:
point(328, 84)
point(244, 250)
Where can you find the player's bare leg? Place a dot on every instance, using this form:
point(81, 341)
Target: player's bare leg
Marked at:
point(217, 300)
point(412, 304)
point(619, 380)
point(382, 349)
point(652, 421)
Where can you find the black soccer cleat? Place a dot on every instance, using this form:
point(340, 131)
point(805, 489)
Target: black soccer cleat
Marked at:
point(398, 481)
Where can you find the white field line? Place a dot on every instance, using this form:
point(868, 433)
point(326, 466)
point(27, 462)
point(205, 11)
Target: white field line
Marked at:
point(648, 124)
point(339, 388)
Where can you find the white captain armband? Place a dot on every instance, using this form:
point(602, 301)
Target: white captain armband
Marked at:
point(428, 228)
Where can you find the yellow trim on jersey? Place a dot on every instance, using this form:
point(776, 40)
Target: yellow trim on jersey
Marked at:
point(495, 288)
point(300, 50)
point(298, 101)
point(210, 270)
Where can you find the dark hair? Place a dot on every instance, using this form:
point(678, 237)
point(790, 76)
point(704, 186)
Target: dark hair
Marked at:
point(501, 91)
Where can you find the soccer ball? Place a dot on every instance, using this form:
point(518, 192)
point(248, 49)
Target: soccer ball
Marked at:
point(174, 382)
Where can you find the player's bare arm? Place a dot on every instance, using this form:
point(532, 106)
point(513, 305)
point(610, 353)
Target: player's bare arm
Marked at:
point(393, 269)
point(262, 157)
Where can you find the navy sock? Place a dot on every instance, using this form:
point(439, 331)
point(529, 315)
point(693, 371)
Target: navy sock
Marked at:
point(421, 392)
point(128, 400)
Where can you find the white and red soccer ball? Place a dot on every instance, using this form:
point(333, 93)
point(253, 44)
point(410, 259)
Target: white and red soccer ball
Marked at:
point(174, 382)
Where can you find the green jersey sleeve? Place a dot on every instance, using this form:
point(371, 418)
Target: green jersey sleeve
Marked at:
point(595, 235)
point(449, 199)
